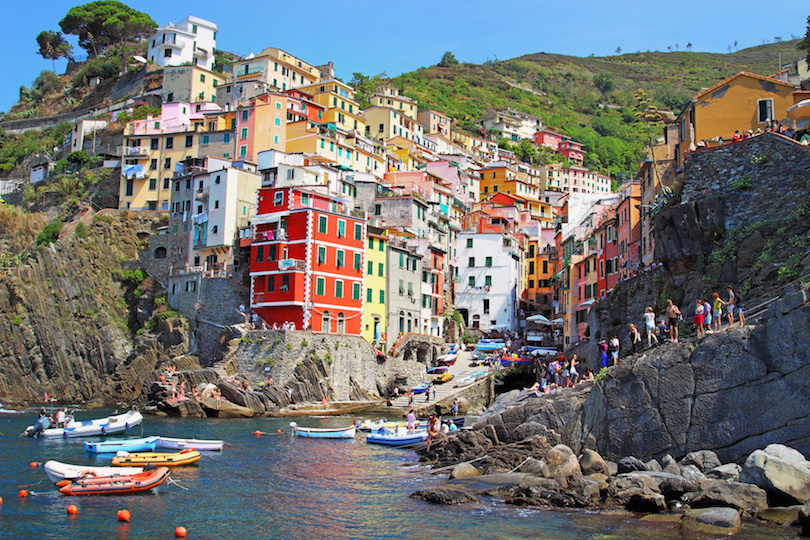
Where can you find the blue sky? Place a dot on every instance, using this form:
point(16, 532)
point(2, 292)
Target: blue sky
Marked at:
point(373, 37)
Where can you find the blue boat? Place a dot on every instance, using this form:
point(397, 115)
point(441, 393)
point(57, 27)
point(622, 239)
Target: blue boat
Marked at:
point(146, 444)
point(420, 388)
point(389, 437)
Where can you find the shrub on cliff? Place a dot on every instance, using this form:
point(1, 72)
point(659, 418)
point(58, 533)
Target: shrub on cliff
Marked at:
point(49, 234)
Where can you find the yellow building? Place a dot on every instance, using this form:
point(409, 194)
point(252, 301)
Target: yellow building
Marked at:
point(504, 178)
point(276, 68)
point(388, 96)
point(742, 102)
point(460, 138)
point(190, 84)
point(307, 137)
point(375, 314)
point(337, 98)
point(385, 123)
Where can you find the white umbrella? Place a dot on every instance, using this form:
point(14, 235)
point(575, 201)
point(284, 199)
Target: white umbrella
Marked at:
point(539, 319)
point(558, 322)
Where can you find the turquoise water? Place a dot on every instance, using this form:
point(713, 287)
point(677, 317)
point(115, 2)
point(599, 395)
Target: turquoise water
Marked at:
point(272, 486)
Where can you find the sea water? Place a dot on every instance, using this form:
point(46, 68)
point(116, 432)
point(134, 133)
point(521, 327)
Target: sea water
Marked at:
point(273, 486)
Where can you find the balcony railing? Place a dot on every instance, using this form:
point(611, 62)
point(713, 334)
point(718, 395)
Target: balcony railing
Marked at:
point(202, 194)
point(132, 151)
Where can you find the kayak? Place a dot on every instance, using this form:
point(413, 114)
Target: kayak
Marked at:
point(141, 459)
point(321, 433)
point(109, 425)
point(57, 470)
point(116, 484)
point(170, 443)
point(145, 444)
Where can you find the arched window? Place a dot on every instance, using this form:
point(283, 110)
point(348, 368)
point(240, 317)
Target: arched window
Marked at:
point(160, 253)
point(341, 323)
point(401, 322)
point(325, 322)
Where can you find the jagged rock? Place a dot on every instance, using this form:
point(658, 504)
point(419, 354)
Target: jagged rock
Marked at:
point(562, 461)
point(781, 471)
point(653, 466)
point(703, 460)
point(630, 464)
point(464, 470)
point(631, 480)
point(804, 518)
point(640, 500)
point(602, 479)
point(678, 507)
point(535, 467)
point(730, 472)
point(674, 486)
point(586, 486)
point(781, 515)
point(746, 497)
point(711, 521)
point(692, 472)
point(527, 430)
point(443, 496)
point(591, 462)
point(669, 465)
point(546, 496)
point(613, 468)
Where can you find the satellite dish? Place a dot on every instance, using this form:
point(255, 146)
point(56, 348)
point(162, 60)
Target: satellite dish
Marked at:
point(140, 59)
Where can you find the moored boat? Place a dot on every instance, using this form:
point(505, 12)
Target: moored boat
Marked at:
point(172, 443)
point(145, 444)
point(323, 433)
point(420, 388)
point(56, 470)
point(398, 437)
point(110, 425)
point(170, 459)
point(116, 484)
point(369, 426)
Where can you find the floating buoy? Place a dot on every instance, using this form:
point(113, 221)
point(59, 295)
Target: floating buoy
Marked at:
point(23, 493)
point(180, 532)
point(34, 464)
point(1, 500)
point(123, 515)
point(72, 510)
point(257, 432)
point(278, 431)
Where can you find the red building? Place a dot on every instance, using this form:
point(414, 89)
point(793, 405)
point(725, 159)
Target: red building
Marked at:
point(307, 259)
point(561, 144)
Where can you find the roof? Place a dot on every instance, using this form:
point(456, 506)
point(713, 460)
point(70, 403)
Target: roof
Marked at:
point(735, 76)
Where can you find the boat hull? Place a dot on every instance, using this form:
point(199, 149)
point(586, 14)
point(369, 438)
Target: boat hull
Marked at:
point(170, 443)
point(58, 471)
point(318, 433)
point(173, 459)
point(111, 425)
point(117, 484)
point(397, 440)
point(146, 444)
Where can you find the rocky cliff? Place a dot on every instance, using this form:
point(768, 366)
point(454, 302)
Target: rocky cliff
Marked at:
point(732, 392)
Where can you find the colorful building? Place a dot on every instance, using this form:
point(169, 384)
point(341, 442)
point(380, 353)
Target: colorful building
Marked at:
point(276, 68)
point(307, 261)
point(191, 41)
point(388, 96)
point(190, 84)
point(261, 125)
point(375, 314)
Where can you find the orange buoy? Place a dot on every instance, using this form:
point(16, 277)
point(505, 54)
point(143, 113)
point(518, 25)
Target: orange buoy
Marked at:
point(1, 500)
point(180, 532)
point(123, 515)
point(257, 432)
point(34, 464)
point(72, 510)
point(23, 493)
point(278, 431)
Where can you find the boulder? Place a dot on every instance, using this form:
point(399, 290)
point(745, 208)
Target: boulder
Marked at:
point(673, 487)
point(464, 470)
point(804, 518)
point(443, 496)
point(551, 495)
point(591, 462)
point(535, 467)
point(630, 464)
point(745, 497)
point(613, 468)
point(586, 486)
point(703, 460)
point(653, 466)
point(729, 472)
point(711, 521)
point(527, 430)
point(631, 480)
point(562, 461)
point(781, 471)
point(692, 472)
point(669, 465)
point(781, 515)
point(602, 479)
point(641, 500)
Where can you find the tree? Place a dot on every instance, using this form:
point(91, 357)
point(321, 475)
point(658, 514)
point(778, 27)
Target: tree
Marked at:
point(99, 24)
point(526, 152)
point(804, 44)
point(604, 82)
point(689, 46)
point(618, 50)
point(448, 59)
point(648, 118)
point(52, 46)
point(365, 85)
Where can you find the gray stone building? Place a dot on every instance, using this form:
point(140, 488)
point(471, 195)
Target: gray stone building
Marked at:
point(404, 289)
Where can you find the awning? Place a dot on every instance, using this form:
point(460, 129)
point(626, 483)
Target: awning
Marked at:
point(587, 303)
point(539, 319)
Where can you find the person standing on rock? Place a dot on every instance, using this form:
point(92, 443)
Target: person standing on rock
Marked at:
point(673, 313)
point(614, 349)
point(635, 338)
point(717, 312)
point(603, 351)
point(698, 318)
point(738, 305)
point(732, 299)
point(649, 325)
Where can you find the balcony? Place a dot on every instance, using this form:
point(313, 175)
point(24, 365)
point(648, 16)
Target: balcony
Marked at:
point(202, 194)
point(132, 152)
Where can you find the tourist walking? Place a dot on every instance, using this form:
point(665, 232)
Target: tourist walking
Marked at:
point(649, 325)
point(730, 305)
point(673, 314)
point(698, 318)
point(411, 421)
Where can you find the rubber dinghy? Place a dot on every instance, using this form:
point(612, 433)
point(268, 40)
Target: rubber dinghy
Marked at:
point(115, 485)
point(141, 459)
point(57, 471)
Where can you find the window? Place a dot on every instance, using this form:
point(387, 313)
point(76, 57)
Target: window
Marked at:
point(242, 151)
point(488, 261)
point(338, 288)
point(169, 143)
point(152, 184)
point(130, 183)
point(322, 224)
point(245, 116)
point(285, 283)
point(341, 228)
point(377, 210)
point(205, 139)
point(321, 255)
point(278, 198)
point(189, 141)
point(764, 110)
point(488, 281)
point(380, 269)
point(401, 287)
point(382, 296)
point(369, 295)
point(486, 305)
point(153, 164)
point(357, 262)
point(355, 291)
point(154, 144)
point(358, 231)
point(244, 133)
point(167, 53)
point(226, 137)
point(370, 242)
point(167, 163)
point(471, 281)
point(277, 121)
point(271, 283)
point(370, 269)
point(531, 284)
point(531, 267)
point(194, 31)
point(469, 242)
point(320, 285)
point(305, 199)
point(340, 255)
point(471, 262)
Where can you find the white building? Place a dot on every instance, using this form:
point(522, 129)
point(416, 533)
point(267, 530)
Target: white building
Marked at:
point(190, 41)
point(511, 124)
point(488, 277)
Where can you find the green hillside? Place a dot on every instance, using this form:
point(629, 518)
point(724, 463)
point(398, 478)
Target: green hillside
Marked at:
point(589, 99)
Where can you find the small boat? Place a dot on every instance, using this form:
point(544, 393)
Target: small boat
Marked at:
point(170, 443)
point(116, 484)
point(398, 437)
point(512, 361)
point(171, 459)
point(323, 433)
point(369, 426)
point(146, 444)
point(420, 388)
point(447, 359)
point(57, 470)
point(110, 425)
point(469, 379)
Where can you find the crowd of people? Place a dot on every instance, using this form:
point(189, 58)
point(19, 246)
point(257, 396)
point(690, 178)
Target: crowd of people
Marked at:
point(559, 372)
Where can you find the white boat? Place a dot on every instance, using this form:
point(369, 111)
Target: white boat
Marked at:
point(322, 433)
point(57, 471)
point(171, 443)
point(398, 437)
point(110, 425)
